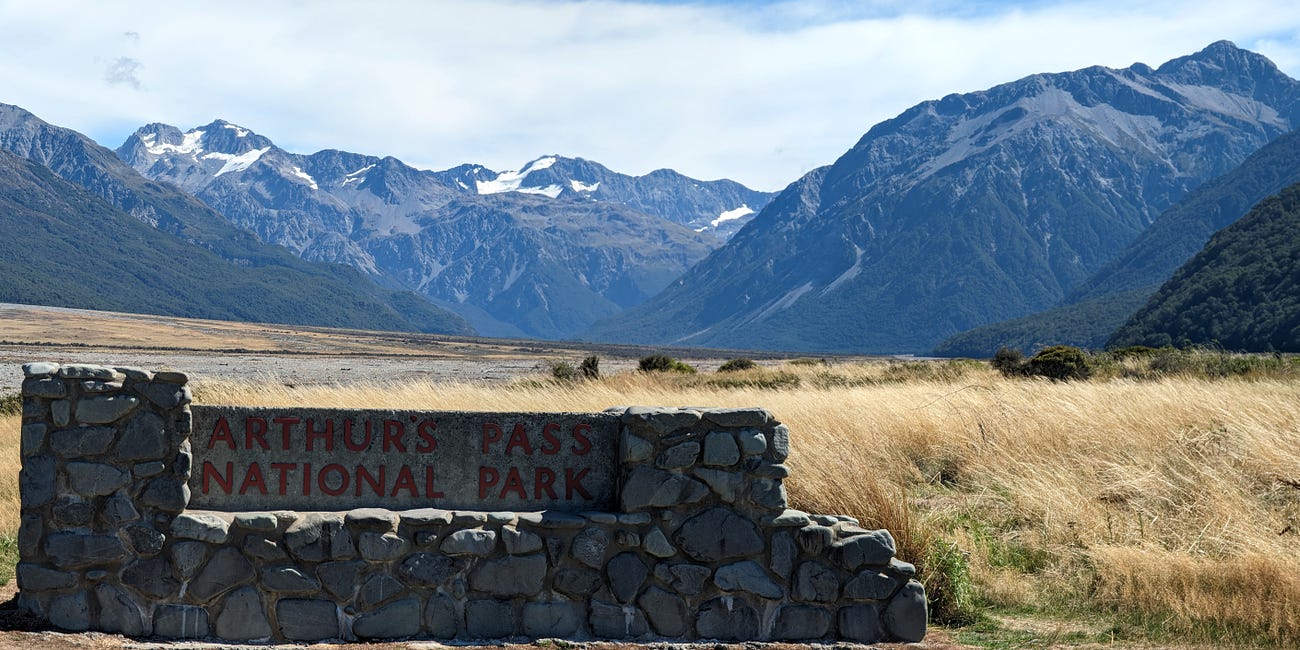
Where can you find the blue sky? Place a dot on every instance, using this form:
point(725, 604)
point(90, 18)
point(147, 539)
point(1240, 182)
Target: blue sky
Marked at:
point(761, 92)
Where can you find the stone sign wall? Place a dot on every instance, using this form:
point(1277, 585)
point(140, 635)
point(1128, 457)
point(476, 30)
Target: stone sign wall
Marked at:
point(690, 538)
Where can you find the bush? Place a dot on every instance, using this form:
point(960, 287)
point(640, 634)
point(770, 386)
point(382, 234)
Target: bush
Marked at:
point(1009, 362)
point(806, 361)
point(736, 365)
point(663, 363)
point(11, 404)
point(1059, 362)
point(590, 367)
point(564, 371)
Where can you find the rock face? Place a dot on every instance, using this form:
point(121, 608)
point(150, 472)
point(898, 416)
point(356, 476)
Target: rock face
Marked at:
point(730, 563)
point(972, 209)
point(544, 251)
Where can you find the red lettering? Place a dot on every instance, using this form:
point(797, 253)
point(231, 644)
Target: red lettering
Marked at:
point(324, 484)
point(306, 478)
point(428, 484)
point(543, 480)
point(257, 433)
point(487, 477)
point(583, 445)
point(221, 431)
point(347, 437)
point(514, 483)
point(283, 470)
point(223, 482)
point(552, 445)
point(405, 481)
point(393, 433)
point(253, 479)
point(286, 426)
point(425, 431)
point(491, 433)
point(376, 485)
point(326, 433)
point(573, 483)
point(519, 438)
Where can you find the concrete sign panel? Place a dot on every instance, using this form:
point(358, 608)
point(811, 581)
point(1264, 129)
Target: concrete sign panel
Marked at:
point(251, 459)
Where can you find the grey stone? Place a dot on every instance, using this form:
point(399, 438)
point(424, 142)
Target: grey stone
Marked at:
point(815, 582)
point(489, 619)
point(145, 539)
point(657, 544)
point(873, 549)
point(552, 620)
point(801, 623)
point(202, 527)
point(768, 494)
point(31, 530)
point(381, 547)
point(552, 519)
point(634, 519)
point(81, 441)
point(468, 519)
point(679, 456)
point(340, 578)
point(339, 542)
point(647, 487)
point(770, 471)
point(36, 481)
point(306, 538)
point(171, 377)
point(778, 449)
point(307, 619)
point(74, 550)
point(718, 534)
point(425, 538)
point(376, 519)
point(143, 438)
point(184, 422)
point(902, 568)
point(661, 420)
point(635, 449)
point(501, 517)
point(519, 542)
point(151, 468)
point(627, 538)
point(35, 577)
point(688, 579)
point(725, 484)
point(379, 588)
point(791, 519)
point(187, 557)
point(180, 621)
point(474, 541)
point(166, 494)
point(261, 548)
point(577, 583)
point(102, 410)
point(33, 439)
point(119, 510)
point(666, 612)
point(554, 549)
point(510, 576)
point(605, 518)
point(396, 620)
point(259, 521)
point(98, 386)
point(60, 412)
point(749, 577)
point(741, 417)
point(784, 553)
point(134, 374)
point(871, 585)
point(815, 539)
point(118, 612)
point(227, 569)
point(40, 369)
point(96, 575)
point(617, 621)
point(166, 395)
point(905, 615)
point(589, 547)
point(729, 618)
point(72, 512)
point(752, 442)
point(626, 573)
point(720, 449)
point(440, 617)
point(425, 517)
point(288, 579)
point(429, 569)
point(242, 617)
point(85, 371)
point(95, 479)
point(861, 623)
point(71, 612)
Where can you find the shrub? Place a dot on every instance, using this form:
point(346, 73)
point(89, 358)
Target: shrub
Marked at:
point(590, 367)
point(805, 361)
point(11, 404)
point(564, 371)
point(663, 363)
point(736, 365)
point(1059, 362)
point(1009, 362)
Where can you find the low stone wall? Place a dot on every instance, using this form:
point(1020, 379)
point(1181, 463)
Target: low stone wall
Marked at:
point(701, 545)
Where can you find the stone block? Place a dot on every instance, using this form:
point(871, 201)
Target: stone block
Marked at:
point(32, 439)
point(71, 612)
point(489, 619)
point(227, 569)
point(801, 623)
point(778, 448)
point(95, 479)
point(166, 494)
point(520, 542)
point(145, 470)
point(36, 481)
point(510, 576)
point(589, 547)
point(688, 579)
point(718, 534)
point(425, 517)
point(720, 449)
point(441, 617)
point(262, 522)
point(201, 526)
point(576, 583)
point(815, 539)
point(171, 377)
point(379, 588)
point(729, 618)
point(72, 512)
point(166, 396)
point(476, 542)
point(381, 547)
point(35, 577)
point(307, 619)
point(747, 576)
point(340, 578)
point(430, 569)
point(187, 557)
point(99, 386)
point(143, 438)
point(752, 442)
point(40, 369)
point(610, 621)
point(118, 612)
point(552, 620)
point(395, 620)
point(768, 494)
point(872, 549)
point(871, 584)
point(134, 374)
point(118, 511)
point(288, 579)
point(905, 615)
point(153, 578)
point(657, 544)
point(373, 519)
point(661, 420)
point(647, 487)
point(679, 456)
point(85, 371)
point(635, 449)
point(726, 484)
point(103, 410)
point(667, 612)
point(242, 617)
point(180, 621)
point(815, 582)
point(75, 550)
point(626, 573)
point(60, 412)
point(861, 623)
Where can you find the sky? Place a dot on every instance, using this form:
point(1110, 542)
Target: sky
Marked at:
point(761, 92)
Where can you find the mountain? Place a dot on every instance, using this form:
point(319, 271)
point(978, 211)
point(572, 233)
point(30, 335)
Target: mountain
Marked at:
point(1098, 306)
point(541, 252)
point(972, 209)
point(1241, 292)
point(96, 234)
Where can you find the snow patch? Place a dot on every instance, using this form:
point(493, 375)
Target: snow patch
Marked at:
point(236, 163)
point(731, 215)
point(190, 143)
point(579, 186)
point(512, 180)
point(551, 191)
point(299, 173)
point(357, 176)
point(239, 132)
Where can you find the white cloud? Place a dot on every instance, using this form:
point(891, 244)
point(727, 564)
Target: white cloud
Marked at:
point(760, 93)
